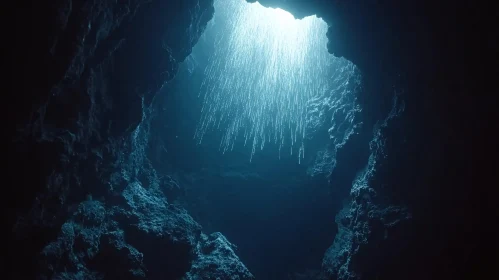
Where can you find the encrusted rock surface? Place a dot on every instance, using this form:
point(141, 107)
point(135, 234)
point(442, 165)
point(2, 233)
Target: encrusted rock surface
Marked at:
point(80, 130)
point(216, 260)
point(106, 61)
point(90, 245)
point(368, 219)
point(437, 58)
point(142, 238)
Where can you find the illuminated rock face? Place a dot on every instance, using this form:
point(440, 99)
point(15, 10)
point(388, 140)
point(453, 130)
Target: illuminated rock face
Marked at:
point(266, 71)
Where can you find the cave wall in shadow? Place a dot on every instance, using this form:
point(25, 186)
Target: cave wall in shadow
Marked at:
point(433, 158)
point(84, 201)
point(80, 70)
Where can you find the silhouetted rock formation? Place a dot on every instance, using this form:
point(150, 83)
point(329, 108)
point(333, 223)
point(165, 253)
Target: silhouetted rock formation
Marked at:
point(80, 128)
point(436, 58)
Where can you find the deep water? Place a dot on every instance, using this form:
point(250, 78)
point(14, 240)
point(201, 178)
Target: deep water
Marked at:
point(279, 217)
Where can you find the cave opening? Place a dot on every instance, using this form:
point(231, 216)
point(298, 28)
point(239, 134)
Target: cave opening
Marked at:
point(131, 155)
point(252, 122)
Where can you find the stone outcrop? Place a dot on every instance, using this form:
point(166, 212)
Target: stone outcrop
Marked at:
point(143, 237)
point(366, 223)
point(437, 152)
point(88, 72)
point(216, 260)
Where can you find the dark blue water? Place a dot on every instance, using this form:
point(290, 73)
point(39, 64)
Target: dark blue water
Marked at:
point(281, 220)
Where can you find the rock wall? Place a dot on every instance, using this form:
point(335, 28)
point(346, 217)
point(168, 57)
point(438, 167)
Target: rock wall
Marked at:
point(143, 237)
point(84, 75)
point(425, 167)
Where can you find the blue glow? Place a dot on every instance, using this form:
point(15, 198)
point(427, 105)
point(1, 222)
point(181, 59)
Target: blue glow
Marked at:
point(266, 69)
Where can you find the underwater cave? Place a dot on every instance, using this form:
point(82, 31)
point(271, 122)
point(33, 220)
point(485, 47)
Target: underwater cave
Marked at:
point(243, 139)
point(252, 122)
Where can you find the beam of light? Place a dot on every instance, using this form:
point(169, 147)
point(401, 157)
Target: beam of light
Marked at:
point(266, 69)
point(282, 17)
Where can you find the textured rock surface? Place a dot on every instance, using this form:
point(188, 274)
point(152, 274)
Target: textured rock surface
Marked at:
point(333, 120)
point(367, 221)
point(89, 246)
point(82, 130)
point(438, 152)
point(217, 260)
point(143, 238)
point(106, 61)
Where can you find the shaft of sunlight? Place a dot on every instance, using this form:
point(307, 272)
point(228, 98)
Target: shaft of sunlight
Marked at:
point(266, 67)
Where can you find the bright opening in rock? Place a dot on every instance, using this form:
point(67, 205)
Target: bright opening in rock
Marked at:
point(157, 146)
point(282, 17)
point(266, 76)
point(252, 123)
